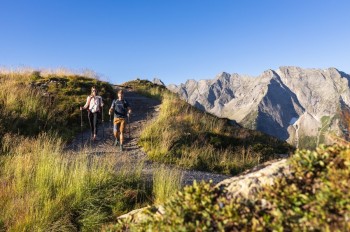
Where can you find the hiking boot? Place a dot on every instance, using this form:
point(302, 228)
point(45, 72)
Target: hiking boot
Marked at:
point(116, 142)
point(121, 147)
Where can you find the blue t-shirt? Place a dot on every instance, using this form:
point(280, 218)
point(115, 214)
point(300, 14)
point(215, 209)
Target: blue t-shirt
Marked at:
point(120, 108)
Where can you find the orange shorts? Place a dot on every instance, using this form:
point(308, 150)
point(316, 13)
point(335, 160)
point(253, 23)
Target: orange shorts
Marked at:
point(119, 125)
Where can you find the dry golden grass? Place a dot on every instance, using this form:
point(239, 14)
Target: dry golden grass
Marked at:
point(46, 72)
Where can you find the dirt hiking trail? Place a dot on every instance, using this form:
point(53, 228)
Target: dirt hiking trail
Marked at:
point(144, 109)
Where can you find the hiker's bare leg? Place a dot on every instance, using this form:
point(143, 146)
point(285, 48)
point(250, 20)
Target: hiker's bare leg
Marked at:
point(121, 138)
point(122, 126)
point(95, 118)
point(91, 123)
point(116, 128)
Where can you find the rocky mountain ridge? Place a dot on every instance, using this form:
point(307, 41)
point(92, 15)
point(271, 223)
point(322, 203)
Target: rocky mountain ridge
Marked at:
point(302, 106)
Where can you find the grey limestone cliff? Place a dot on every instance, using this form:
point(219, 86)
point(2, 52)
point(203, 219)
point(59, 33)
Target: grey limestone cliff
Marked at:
point(301, 106)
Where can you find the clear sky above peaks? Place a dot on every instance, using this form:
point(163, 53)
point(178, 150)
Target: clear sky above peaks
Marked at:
point(174, 40)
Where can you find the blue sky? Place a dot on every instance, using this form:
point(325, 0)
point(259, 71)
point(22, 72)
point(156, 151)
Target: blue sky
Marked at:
point(174, 40)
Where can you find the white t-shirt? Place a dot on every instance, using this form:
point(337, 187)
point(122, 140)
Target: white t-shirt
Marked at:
point(94, 103)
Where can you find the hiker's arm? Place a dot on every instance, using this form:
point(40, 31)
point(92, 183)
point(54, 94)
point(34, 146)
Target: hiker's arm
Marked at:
point(128, 107)
point(102, 102)
point(111, 109)
point(86, 104)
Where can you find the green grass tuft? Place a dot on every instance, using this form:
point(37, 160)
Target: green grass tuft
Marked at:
point(166, 182)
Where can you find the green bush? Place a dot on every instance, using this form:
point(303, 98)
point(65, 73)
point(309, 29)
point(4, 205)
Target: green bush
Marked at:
point(316, 196)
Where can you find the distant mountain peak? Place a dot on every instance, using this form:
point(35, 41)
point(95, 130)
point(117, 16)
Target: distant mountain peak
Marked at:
point(308, 97)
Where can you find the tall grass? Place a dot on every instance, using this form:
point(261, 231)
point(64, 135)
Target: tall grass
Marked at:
point(23, 103)
point(44, 189)
point(166, 182)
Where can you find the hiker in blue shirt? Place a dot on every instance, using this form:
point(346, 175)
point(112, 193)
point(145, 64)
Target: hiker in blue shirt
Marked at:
point(121, 109)
point(94, 106)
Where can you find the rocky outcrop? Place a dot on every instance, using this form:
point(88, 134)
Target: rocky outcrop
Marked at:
point(249, 183)
point(297, 105)
point(158, 82)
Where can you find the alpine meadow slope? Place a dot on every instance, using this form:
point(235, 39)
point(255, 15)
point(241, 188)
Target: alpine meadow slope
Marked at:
point(45, 187)
point(305, 107)
point(82, 191)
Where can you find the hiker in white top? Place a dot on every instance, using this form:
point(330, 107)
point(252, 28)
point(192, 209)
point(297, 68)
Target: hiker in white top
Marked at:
point(94, 106)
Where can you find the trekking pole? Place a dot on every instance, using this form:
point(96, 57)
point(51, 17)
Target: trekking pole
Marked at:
point(110, 120)
point(103, 126)
point(129, 124)
point(81, 126)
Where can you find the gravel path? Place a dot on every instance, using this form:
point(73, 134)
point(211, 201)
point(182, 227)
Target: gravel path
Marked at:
point(143, 110)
